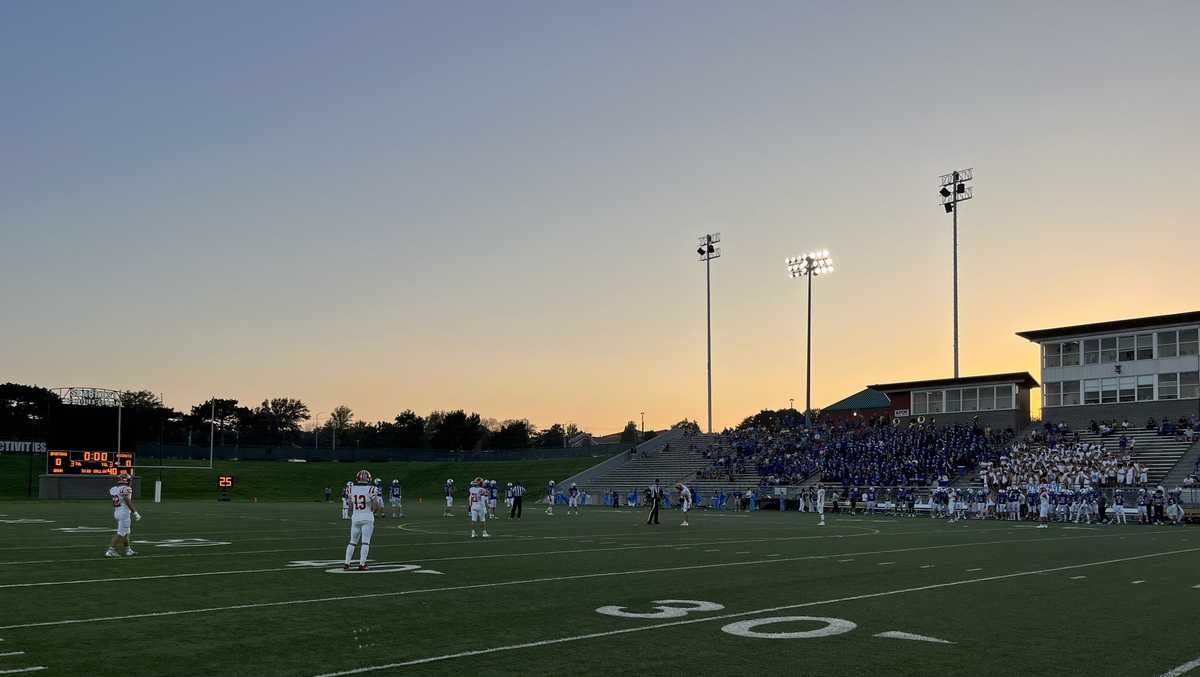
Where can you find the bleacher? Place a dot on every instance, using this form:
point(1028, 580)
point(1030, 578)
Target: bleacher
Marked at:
point(1159, 453)
point(670, 457)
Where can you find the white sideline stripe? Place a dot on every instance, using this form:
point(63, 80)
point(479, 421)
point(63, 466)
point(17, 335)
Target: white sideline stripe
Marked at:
point(15, 671)
point(13, 653)
point(498, 584)
point(456, 558)
point(1186, 667)
point(756, 612)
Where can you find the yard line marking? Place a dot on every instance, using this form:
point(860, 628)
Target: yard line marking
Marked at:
point(883, 564)
point(926, 566)
point(13, 653)
point(713, 550)
point(757, 612)
point(556, 579)
point(1137, 582)
point(975, 569)
point(1186, 667)
point(842, 561)
point(16, 670)
point(747, 552)
point(774, 554)
point(1075, 578)
point(896, 634)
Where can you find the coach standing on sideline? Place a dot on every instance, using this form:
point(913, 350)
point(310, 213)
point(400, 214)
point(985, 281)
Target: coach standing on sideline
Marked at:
point(518, 492)
point(656, 496)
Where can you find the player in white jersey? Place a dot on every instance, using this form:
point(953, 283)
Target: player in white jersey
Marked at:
point(448, 488)
point(365, 501)
point(346, 500)
point(819, 505)
point(508, 499)
point(550, 498)
point(574, 495)
point(493, 496)
point(1043, 508)
point(477, 496)
point(395, 499)
point(685, 501)
point(122, 500)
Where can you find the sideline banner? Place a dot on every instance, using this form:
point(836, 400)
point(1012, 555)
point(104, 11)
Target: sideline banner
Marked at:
point(16, 447)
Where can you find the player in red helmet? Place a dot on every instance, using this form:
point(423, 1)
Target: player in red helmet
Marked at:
point(122, 500)
point(365, 501)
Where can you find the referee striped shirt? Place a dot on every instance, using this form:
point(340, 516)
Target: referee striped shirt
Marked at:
point(518, 490)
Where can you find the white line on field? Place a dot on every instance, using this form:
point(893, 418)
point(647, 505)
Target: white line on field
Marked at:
point(499, 584)
point(1186, 667)
point(842, 561)
point(975, 569)
point(1137, 582)
point(17, 670)
point(1075, 578)
point(926, 566)
point(13, 653)
point(756, 612)
point(883, 564)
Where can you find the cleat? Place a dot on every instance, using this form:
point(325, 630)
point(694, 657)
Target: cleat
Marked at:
point(362, 567)
point(129, 552)
point(111, 553)
point(486, 535)
point(346, 566)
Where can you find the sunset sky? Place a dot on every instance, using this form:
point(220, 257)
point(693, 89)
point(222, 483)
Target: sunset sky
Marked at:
point(494, 205)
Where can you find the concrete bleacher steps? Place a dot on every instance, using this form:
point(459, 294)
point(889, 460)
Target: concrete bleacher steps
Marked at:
point(1185, 466)
point(669, 457)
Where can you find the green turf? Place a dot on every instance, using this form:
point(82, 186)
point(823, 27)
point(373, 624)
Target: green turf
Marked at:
point(282, 481)
point(990, 588)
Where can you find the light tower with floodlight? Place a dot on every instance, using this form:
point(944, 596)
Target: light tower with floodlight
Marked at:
point(954, 190)
point(809, 265)
point(709, 251)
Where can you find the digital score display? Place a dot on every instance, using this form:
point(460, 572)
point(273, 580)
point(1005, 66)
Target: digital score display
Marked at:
point(225, 482)
point(62, 462)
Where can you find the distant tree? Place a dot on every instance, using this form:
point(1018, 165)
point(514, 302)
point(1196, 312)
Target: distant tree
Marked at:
point(630, 434)
point(552, 437)
point(340, 421)
point(23, 410)
point(457, 430)
point(225, 418)
point(513, 434)
point(409, 430)
point(140, 399)
point(687, 426)
point(280, 418)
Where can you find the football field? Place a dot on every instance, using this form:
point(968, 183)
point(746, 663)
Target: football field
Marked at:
point(258, 589)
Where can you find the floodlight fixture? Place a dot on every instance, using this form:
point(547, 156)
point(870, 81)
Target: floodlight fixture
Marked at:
point(809, 265)
point(707, 252)
point(950, 197)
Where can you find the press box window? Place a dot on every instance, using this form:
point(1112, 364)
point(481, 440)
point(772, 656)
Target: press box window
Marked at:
point(1168, 386)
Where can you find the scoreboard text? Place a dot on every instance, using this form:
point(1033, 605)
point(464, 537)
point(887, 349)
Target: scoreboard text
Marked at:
point(62, 462)
point(225, 482)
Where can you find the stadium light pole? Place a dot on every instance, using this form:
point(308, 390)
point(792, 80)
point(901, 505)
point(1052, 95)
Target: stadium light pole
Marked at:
point(809, 265)
point(954, 189)
point(708, 252)
point(317, 430)
point(643, 438)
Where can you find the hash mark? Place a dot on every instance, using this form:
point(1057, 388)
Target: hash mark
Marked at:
point(1075, 578)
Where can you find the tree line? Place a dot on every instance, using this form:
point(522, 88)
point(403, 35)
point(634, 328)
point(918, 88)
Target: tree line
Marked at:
point(28, 412)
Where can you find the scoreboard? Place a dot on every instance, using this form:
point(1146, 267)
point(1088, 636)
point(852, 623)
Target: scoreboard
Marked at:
point(62, 462)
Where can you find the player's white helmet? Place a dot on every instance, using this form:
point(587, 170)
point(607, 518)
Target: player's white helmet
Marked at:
point(395, 481)
point(363, 477)
point(510, 484)
point(349, 484)
point(551, 482)
point(122, 479)
point(450, 481)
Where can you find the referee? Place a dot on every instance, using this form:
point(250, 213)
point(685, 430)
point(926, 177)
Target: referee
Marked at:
point(656, 496)
point(518, 492)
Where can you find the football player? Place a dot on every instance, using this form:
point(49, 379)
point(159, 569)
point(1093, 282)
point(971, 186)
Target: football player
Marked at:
point(573, 497)
point(508, 499)
point(346, 500)
point(365, 501)
point(1044, 508)
point(685, 501)
point(492, 498)
point(395, 498)
point(550, 498)
point(477, 498)
point(448, 488)
point(122, 500)
point(379, 492)
point(819, 504)
point(1118, 508)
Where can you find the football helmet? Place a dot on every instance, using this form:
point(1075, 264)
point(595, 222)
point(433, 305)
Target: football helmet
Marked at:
point(363, 477)
point(122, 479)
point(395, 481)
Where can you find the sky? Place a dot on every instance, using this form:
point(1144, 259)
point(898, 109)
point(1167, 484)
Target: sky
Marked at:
point(494, 205)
